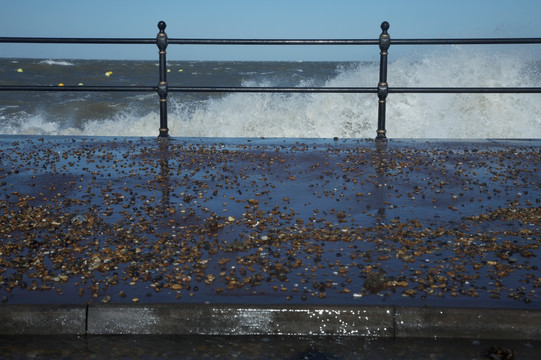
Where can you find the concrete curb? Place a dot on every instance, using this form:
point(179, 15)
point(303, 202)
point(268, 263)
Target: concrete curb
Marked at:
point(198, 319)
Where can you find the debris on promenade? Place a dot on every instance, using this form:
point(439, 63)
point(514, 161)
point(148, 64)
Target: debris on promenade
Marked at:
point(270, 220)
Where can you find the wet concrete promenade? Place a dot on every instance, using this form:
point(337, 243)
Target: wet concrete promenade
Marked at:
point(413, 238)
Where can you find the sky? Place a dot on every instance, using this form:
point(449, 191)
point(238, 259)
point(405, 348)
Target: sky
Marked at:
point(272, 19)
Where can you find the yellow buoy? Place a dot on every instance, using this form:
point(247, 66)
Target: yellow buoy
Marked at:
point(19, 70)
point(180, 70)
point(108, 73)
point(168, 70)
point(60, 84)
point(80, 84)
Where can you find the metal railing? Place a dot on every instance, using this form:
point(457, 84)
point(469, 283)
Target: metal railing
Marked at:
point(382, 89)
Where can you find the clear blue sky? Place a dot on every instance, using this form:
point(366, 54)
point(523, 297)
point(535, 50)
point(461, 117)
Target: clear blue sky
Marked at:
point(255, 19)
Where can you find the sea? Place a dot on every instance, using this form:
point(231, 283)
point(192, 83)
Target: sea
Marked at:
point(278, 114)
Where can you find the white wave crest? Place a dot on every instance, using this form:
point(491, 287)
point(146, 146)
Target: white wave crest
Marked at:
point(56, 62)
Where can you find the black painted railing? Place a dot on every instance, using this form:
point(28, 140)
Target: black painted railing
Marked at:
point(382, 89)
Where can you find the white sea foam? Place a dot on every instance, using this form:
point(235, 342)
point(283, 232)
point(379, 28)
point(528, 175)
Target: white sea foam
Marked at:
point(349, 115)
point(56, 62)
point(408, 115)
point(33, 125)
point(465, 115)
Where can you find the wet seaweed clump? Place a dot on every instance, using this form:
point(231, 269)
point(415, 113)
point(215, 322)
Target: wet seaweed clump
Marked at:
point(494, 353)
point(376, 282)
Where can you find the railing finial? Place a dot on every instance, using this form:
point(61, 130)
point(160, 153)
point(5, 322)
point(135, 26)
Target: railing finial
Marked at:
point(384, 27)
point(384, 38)
point(162, 25)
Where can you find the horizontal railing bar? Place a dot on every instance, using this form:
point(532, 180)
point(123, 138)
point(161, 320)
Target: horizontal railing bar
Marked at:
point(465, 41)
point(435, 90)
point(240, 89)
point(56, 40)
point(247, 89)
point(191, 41)
point(188, 41)
point(273, 41)
point(357, 89)
point(79, 88)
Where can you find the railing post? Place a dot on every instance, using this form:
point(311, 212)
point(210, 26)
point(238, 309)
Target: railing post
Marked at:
point(383, 88)
point(161, 41)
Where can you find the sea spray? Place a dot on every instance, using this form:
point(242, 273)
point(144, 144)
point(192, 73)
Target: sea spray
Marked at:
point(465, 115)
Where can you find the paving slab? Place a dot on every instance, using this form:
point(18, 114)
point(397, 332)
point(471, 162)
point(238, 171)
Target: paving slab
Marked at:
point(42, 320)
point(467, 323)
point(240, 320)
